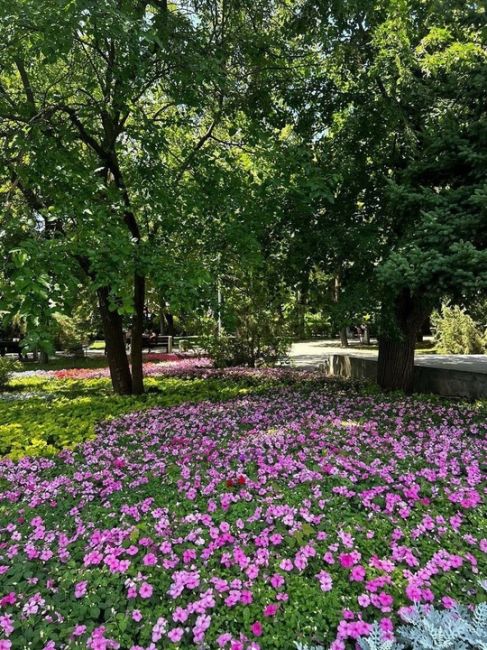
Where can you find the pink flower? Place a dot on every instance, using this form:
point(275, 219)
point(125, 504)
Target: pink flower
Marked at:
point(277, 580)
point(256, 628)
point(79, 630)
point(270, 610)
point(413, 593)
point(326, 583)
point(176, 634)
point(357, 573)
point(80, 589)
point(223, 639)
point(137, 615)
point(286, 565)
point(149, 559)
point(145, 590)
point(385, 601)
point(346, 560)
point(246, 597)
point(363, 600)
point(9, 599)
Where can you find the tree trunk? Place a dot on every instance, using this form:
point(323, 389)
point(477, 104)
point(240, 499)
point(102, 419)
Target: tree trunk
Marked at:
point(114, 345)
point(336, 299)
point(170, 323)
point(301, 300)
point(137, 331)
point(395, 367)
point(44, 357)
point(366, 335)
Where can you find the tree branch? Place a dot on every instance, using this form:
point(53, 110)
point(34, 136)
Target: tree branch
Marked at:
point(29, 93)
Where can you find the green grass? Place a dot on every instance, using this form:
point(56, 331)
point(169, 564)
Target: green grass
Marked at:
point(58, 414)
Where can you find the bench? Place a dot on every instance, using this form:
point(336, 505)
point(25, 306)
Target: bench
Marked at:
point(158, 341)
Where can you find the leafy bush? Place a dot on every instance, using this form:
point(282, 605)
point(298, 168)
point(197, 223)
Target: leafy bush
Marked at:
point(317, 324)
point(71, 335)
point(7, 367)
point(254, 350)
point(456, 332)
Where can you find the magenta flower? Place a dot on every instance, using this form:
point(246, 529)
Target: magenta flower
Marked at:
point(78, 630)
point(80, 589)
point(270, 610)
point(145, 590)
point(357, 573)
point(346, 560)
point(256, 628)
point(286, 565)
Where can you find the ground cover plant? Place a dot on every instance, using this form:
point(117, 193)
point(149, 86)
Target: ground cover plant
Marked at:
point(298, 515)
point(47, 411)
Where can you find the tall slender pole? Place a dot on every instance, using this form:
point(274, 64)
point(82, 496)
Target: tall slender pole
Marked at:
point(219, 300)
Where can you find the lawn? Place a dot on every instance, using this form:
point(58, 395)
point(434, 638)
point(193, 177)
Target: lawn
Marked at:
point(238, 510)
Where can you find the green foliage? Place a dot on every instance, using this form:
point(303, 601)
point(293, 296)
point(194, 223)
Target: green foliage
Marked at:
point(71, 335)
point(456, 332)
point(249, 348)
point(316, 324)
point(45, 416)
point(7, 367)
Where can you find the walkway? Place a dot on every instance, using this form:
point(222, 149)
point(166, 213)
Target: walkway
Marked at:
point(312, 353)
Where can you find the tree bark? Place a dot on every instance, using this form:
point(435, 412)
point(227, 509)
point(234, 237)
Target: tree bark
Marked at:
point(366, 335)
point(336, 299)
point(137, 331)
point(114, 345)
point(170, 323)
point(395, 367)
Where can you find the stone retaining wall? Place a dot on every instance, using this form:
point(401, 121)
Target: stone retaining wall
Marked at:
point(442, 381)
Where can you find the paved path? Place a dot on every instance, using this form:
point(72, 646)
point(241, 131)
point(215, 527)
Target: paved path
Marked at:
point(312, 353)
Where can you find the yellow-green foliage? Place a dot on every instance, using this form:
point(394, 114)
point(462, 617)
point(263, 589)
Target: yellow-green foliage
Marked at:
point(61, 414)
point(7, 367)
point(456, 332)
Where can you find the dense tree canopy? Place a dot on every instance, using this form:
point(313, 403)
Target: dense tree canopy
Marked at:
point(333, 147)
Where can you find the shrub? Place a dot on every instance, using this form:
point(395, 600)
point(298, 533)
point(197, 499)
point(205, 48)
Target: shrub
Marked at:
point(7, 367)
point(456, 332)
point(227, 351)
point(317, 325)
point(71, 336)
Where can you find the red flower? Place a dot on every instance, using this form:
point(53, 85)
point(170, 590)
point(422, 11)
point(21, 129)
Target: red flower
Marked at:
point(229, 482)
point(241, 480)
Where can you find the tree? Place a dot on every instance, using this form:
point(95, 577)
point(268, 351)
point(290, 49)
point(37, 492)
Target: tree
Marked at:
point(105, 108)
point(393, 108)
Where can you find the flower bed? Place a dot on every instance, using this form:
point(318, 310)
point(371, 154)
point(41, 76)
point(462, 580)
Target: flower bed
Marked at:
point(155, 364)
point(298, 515)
